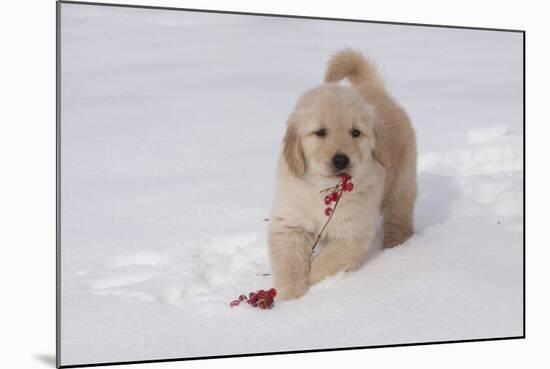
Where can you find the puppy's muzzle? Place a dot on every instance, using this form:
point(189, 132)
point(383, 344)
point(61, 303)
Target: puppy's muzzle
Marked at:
point(340, 161)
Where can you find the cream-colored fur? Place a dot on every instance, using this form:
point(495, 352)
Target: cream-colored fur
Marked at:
point(382, 165)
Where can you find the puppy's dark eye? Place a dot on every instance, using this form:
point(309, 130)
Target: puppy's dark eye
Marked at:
point(321, 132)
point(355, 133)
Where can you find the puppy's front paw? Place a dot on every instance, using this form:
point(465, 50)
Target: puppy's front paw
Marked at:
point(292, 291)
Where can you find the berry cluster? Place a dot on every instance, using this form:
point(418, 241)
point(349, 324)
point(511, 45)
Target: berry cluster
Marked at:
point(262, 299)
point(334, 196)
point(345, 185)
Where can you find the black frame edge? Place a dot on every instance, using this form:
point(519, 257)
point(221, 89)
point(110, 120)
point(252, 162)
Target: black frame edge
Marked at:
point(524, 193)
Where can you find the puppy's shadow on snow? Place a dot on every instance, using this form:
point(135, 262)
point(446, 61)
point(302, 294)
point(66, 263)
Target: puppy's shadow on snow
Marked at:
point(436, 194)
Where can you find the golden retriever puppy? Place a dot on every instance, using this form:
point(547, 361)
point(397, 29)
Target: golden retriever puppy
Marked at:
point(360, 131)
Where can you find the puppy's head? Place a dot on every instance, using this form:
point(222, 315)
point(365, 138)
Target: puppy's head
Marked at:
point(331, 132)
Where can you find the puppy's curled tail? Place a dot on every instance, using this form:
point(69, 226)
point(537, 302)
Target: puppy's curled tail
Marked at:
point(352, 64)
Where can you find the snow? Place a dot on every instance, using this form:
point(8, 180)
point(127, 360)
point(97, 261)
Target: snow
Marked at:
point(171, 127)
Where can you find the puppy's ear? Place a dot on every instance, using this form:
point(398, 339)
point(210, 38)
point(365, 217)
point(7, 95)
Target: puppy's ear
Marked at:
point(380, 152)
point(292, 150)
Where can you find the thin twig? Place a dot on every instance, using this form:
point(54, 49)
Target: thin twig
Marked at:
point(331, 188)
point(330, 217)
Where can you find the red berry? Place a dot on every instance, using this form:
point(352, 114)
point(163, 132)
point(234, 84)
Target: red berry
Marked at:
point(234, 303)
point(253, 295)
point(345, 179)
point(262, 304)
point(349, 187)
point(272, 292)
point(242, 298)
point(334, 196)
point(328, 200)
point(328, 212)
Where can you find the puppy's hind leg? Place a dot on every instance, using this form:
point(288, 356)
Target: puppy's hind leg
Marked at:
point(290, 255)
point(398, 209)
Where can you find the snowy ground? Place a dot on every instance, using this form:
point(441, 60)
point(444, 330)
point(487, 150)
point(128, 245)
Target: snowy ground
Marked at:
point(171, 126)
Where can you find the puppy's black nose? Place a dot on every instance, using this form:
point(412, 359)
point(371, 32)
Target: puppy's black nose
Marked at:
point(340, 161)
